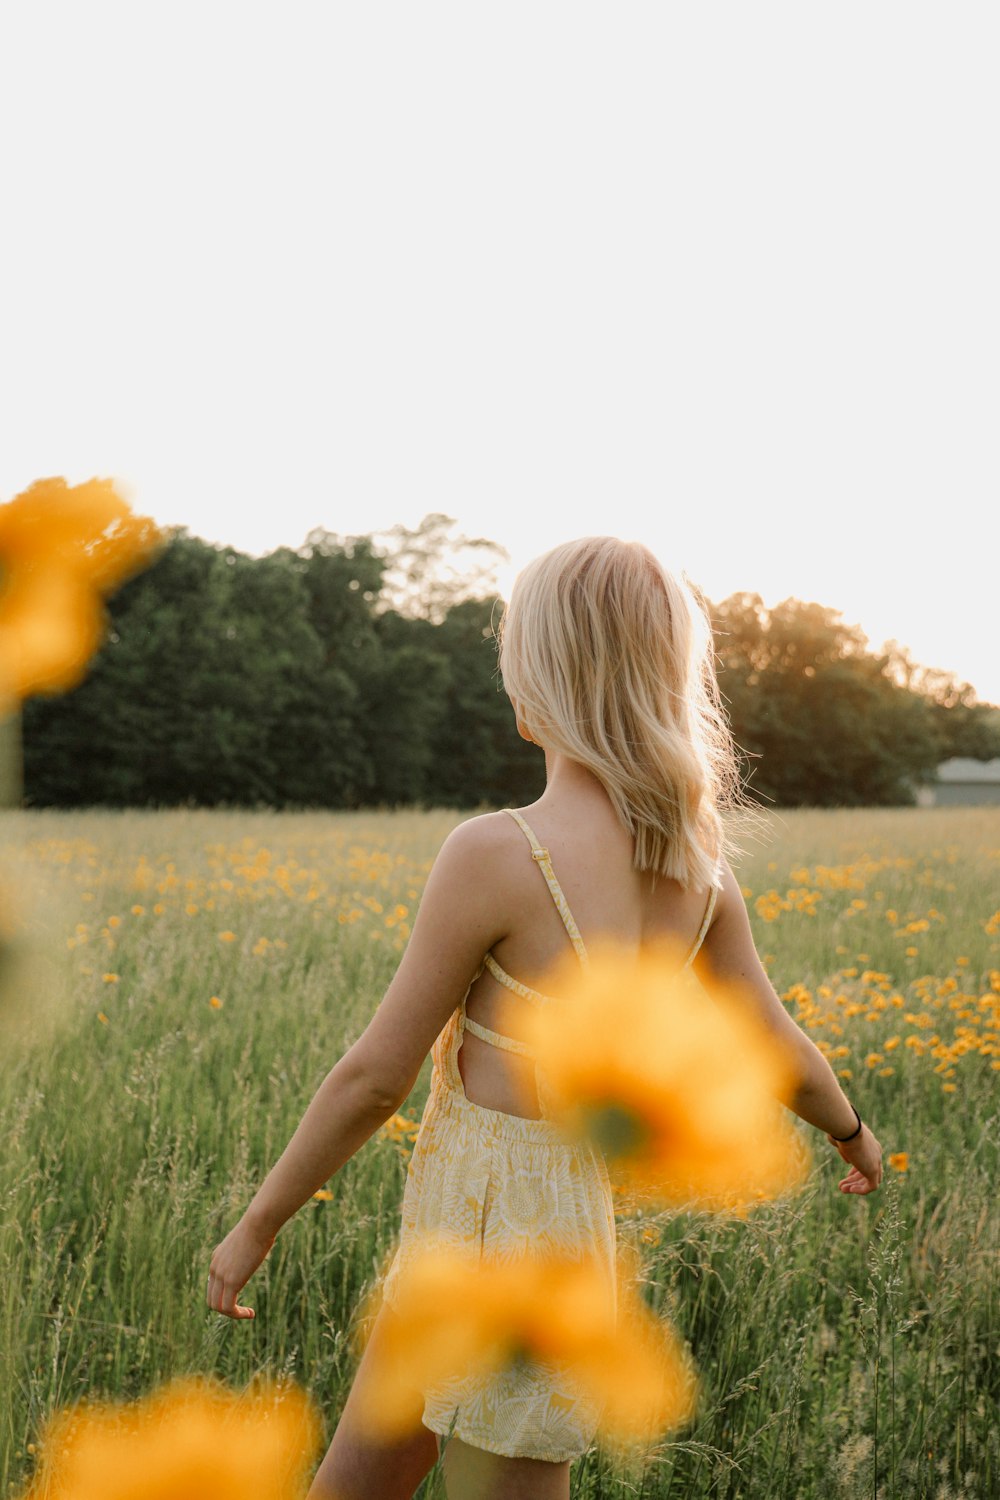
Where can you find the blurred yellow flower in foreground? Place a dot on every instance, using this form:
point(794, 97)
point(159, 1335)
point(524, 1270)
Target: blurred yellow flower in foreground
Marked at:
point(192, 1440)
point(457, 1320)
point(62, 548)
point(899, 1161)
point(676, 1086)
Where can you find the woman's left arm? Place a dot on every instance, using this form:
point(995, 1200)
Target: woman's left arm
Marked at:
point(456, 924)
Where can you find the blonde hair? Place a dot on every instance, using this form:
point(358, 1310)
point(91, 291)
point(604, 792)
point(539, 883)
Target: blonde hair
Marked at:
point(608, 658)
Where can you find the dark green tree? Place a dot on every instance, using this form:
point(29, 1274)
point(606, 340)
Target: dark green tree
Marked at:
point(403, 694)
point(818, 718)
point(350, 673)
point(430, 569)
point(478, 755)
point(963, 726)
point(118, 737)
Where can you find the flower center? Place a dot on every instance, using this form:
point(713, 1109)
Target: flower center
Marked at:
point(616, 1129)
point(520, 1357)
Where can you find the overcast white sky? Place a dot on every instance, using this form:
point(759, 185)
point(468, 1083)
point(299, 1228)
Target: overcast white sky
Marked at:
point(719, 276)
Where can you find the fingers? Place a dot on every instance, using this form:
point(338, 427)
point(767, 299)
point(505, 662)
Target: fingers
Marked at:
point(857, 1182)
point(222, 1298)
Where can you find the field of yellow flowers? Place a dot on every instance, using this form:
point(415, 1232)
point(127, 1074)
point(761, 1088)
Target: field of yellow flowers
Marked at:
point(192, 976)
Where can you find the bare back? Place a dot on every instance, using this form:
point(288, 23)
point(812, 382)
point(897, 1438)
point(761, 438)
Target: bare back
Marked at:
point(591, 856)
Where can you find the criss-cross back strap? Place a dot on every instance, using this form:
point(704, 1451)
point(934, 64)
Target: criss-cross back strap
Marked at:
point(494, 1037)
point(514, 985)
point(541, 858)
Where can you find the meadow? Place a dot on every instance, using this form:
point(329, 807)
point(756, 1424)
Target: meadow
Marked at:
point(206, 969)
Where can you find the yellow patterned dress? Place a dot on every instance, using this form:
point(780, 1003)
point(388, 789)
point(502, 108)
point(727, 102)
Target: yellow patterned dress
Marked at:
point(503, 1186)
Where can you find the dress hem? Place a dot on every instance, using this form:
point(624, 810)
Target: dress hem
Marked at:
point(450, 1432)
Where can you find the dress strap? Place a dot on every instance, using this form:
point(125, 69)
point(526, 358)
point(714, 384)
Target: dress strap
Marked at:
point(515, 985)
point(706, 923)
point(506, 1042)
point(541, 857)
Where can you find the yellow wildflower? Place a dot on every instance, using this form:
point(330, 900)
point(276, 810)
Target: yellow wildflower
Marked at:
point(192, 1438)
point(227, 937)
point(676, 1088)
point(62, 549)
point(215, 1002)
point(110, 978)
point(459, 1320)
point(899, 1161)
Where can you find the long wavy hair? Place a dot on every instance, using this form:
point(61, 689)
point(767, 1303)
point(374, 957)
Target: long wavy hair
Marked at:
point(608, 658)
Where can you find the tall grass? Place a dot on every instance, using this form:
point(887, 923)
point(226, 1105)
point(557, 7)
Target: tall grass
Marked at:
point(847, 1346)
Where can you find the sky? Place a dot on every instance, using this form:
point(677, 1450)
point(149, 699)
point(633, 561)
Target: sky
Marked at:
point(718, 277)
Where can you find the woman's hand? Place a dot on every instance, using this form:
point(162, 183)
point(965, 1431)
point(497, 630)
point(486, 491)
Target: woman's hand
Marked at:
point(864, 1156)
point(233, 1262)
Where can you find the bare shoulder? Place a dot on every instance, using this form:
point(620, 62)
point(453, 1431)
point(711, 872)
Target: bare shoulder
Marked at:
point(730, 892)
point(485, 837)
point(484, 831)
point(479, 854)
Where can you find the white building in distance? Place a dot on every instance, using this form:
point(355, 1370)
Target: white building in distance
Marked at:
point(962, 782)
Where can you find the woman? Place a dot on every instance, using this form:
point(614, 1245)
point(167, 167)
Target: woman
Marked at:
point(607, 659)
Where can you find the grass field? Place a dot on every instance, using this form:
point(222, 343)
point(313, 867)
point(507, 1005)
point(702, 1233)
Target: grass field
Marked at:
point(206, 970)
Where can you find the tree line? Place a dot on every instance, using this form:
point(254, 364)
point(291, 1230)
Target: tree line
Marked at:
point(358, 672)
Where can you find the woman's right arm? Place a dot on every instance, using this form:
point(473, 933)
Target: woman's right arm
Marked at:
point(727, 957)
point(460, 918)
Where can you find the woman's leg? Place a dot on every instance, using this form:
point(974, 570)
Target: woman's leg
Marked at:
point(356, 1467)
point(473, 1474)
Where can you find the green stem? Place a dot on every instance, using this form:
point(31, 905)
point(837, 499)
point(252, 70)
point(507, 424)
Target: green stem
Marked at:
point(11, 782)
point(11, 758)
